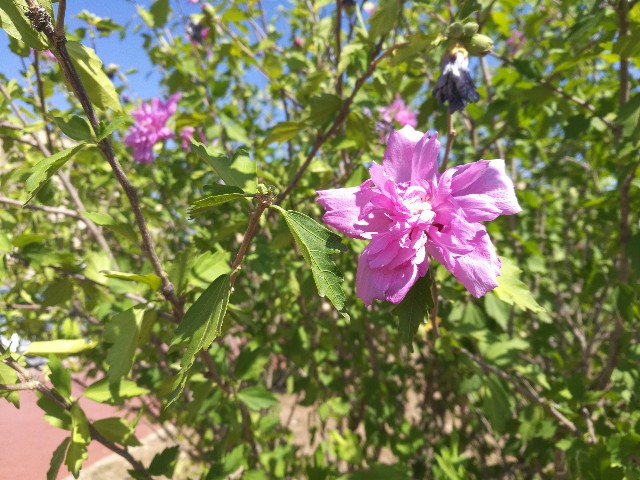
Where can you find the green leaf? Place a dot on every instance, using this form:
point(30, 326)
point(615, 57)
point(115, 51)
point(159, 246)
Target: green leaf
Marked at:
point(59, 347)
point(164, 463)
point(99, 87)
point(25, 239)
point(159, 11)
point(413, 309)
point(384, 18)
point(9, 376)
point(117, 430)
point(204, 205)
point(120, 120)
point(56, 460)
point(200, 326)
point(512, 291)
point(123, 332)
point(58, 292)
point(419, 45)
point(110, 223)
point(257, 398)
point(283, 131)
point(323, 108)
point(503, 353)
point(238, 171)
point(60, 377)
point(102, 392)
point(146, 16)
point(629, 117)
point(316, 243)
point(42, 171)
point(14, 22)
point(74, 127)
point(348, 54)
point(80, 438)
point(180, 268)
point(495, 404)
point(151, 279)
point(467, 8)
point(220, 189)
point(53, 413)
point(209, 266)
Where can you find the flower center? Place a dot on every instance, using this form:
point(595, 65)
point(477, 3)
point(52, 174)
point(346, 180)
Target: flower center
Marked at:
point(419, 206)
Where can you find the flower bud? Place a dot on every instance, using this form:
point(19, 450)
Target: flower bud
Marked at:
point(470, 29)
point(479, 45)
point(455, 30)
point(209, 11)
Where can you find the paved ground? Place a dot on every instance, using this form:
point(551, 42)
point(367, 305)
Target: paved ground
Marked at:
point(28, 441)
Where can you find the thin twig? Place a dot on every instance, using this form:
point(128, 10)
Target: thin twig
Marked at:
point(615, 340)
point(92, 227)
point(525, 389)
point(590, 430)
point(43, 24)
point(15, 387)
point(578, 101)
point(338, 39)
point(337, 123)
point(29, 383)
point(451, 133)
point(62, 7)
point(263, 200)
point(46, 151)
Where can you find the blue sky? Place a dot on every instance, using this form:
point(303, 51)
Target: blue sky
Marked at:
point(127, 53)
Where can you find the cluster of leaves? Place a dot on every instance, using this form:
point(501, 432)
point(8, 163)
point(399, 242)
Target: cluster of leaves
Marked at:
point(501, 387)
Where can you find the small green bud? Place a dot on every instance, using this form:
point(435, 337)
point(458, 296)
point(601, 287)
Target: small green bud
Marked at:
point(208, 10)
point(470, 29)
point(262, 189)
point(455, 30)
point(479, 45)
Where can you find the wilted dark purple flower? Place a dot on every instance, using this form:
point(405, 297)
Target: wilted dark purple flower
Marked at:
point(196, 32)
point(455, 84)
point(150, 127)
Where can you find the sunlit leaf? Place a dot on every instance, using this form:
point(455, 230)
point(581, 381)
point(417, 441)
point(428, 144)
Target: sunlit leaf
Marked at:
point(59, 347)
point(117, 430)
point(200, 326)
point(42, 171)
point(99, 87)
point(316, 244)
point(257, 398)
point(512, 291)
point(80, 437)
point(122, 332)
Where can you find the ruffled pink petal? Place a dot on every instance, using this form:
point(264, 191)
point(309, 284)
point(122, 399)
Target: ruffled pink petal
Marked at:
point(477, 269)
point(483, 190)
point(411, 155)
point(345, 210)
point(398, 155)
point(385, 284)
point(425, 158)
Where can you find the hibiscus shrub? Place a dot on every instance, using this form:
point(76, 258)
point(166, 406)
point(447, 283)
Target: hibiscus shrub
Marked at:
point(277, 261)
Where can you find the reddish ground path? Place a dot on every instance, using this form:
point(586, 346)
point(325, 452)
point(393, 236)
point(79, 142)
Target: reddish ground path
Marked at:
point(28, 440)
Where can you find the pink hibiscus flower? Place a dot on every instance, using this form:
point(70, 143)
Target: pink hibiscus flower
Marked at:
point(399, 112)
point(408, 210)
point(151, 127)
